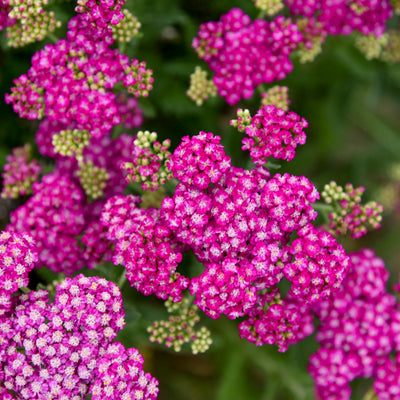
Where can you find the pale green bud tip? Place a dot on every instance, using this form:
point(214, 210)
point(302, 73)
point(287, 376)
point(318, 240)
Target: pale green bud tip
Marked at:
point(93, 179)
point(200, 88)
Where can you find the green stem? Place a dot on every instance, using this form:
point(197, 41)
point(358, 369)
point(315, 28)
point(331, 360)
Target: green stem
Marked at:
point(262, 14)
point(121, 47)
point(122, 279)
point(370, 395)
point(325, 209)
point(52, 36)
point(271, 165)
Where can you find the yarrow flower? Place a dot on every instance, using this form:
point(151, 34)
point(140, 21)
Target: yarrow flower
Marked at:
point(145, 247)
point(245, 54)
point(18, 256)
point(121, 376)
point(320, 264)
point(314, 35)
point(19, 173)
point(64, 346)
point(199, 160)
point(76, 75)
point(355, 331)
point(372, 46)
point(149, 164)
point(274, 133)
point(270, 7)
point(127, 28)
point(101, 14)
point(225, 289)
point(53, 216)
point(342, 17)
point(243, 119)
point(348, 214)
point(277, 321)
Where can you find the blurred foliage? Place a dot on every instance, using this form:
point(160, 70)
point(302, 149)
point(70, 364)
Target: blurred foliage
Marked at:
point(352, 106)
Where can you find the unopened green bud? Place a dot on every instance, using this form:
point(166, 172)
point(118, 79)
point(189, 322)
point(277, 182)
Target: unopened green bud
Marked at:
point(200, 88)
point(93, 179)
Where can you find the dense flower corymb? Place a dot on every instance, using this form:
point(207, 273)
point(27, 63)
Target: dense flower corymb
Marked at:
point(64, 349)
point(274, 133)
point(17, 258)
point(244, 54)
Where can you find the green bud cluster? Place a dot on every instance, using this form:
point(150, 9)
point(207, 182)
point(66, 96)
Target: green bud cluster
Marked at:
point(348, 214)
point(93, 179)
point(32, 22)
point(276, 96)
point(19, 173)
point(396, 6)
point(270, 7)
point(370, 45)
point(243, 120)
point(149, 164)
point(126, 29)
point(200, 88)
point(179, 328)
point(71, 143)
point(391, 53)
point(314, 36)
point(138, 79)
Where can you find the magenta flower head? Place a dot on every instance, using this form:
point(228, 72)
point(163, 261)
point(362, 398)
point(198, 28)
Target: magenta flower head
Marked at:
point(225, 289)
point(274, 133)
point(63, 350)
point(342, 17)
point(121, 376)
point(358, 331)
point(54, 216)
point(17, 258)
point(199, 160)
point(319, 266)
point(244, 54)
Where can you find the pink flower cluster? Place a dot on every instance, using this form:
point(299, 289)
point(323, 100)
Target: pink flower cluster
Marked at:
point(199, 160)
point(19, 173)
point(145, 247)
point(61, 349)
point(72, 81)
point(17, 258)
point(343, 17)
point(225, 289)
point(245, 54)
point(349, 214)
point(121, 373)
point(129, 111)
point(274, 133)
point(5, 20)
point(101, 14)
point(103, 153)
point(277, 321)
point(54, 217)
point(319, 265)
point(357, 333)
point(240, 228)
